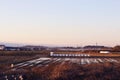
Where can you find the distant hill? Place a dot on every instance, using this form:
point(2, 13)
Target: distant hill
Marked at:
point(11, 44)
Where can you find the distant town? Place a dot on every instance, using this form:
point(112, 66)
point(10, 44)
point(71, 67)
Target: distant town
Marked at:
point(88, 48)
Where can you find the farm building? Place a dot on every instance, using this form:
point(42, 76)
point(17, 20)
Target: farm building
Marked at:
point(2, 47)
point(12, 48)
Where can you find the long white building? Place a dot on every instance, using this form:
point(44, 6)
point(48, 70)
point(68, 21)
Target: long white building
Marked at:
point(52, 54)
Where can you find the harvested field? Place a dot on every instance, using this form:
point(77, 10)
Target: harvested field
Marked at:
point(66, 69)
point(37, 67)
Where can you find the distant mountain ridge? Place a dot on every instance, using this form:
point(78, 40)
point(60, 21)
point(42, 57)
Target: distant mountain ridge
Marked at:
point(21, 44)
point(11, 44)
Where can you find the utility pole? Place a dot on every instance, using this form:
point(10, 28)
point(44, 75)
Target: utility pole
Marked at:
point(96, 44)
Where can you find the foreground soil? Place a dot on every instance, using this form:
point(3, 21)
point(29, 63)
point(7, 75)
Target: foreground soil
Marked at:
point(71, 71)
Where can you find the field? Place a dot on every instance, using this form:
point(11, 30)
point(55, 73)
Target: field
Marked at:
point(39, 66)
point(71, 71)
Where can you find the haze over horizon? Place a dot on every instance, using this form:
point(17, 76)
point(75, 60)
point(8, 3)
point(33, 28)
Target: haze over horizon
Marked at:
point(60, 22)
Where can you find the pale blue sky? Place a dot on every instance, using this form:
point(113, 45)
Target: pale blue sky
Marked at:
point(60, 22)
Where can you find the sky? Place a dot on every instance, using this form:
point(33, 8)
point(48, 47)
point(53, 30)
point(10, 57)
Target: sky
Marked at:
point(60, 22)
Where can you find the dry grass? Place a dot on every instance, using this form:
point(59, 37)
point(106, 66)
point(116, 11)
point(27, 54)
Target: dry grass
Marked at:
point(69, 71)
